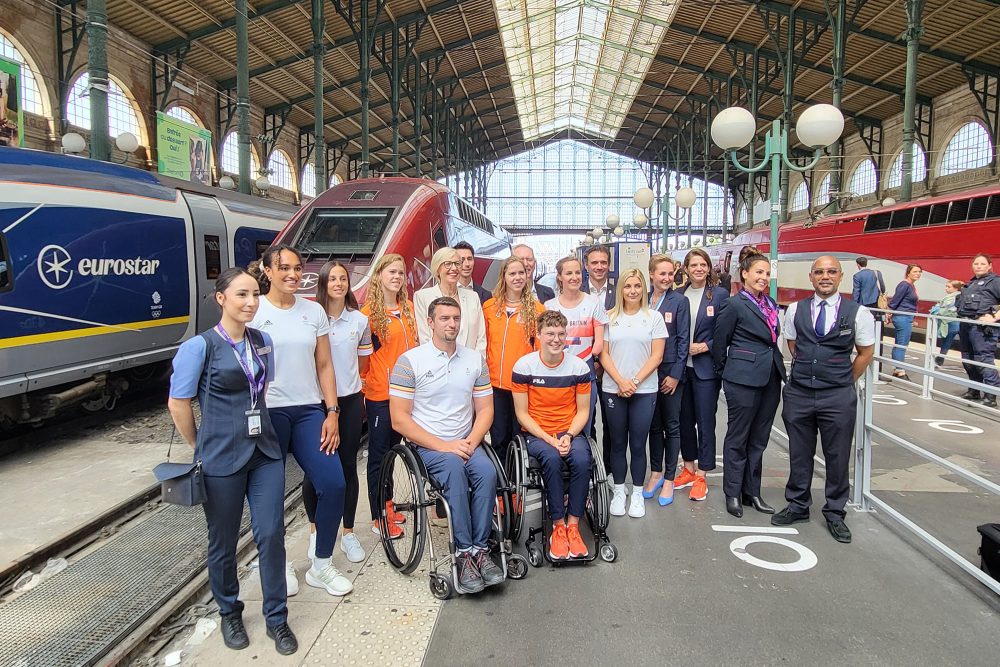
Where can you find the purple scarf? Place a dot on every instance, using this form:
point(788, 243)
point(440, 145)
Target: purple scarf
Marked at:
point(768, 308)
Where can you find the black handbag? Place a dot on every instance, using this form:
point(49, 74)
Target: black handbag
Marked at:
point(181, 483)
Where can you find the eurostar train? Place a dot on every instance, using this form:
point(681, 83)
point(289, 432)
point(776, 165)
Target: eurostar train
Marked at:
point(104, 271)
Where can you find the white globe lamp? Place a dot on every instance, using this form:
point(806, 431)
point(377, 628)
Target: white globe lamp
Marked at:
point(262, 183)
point(888, 201)
point(127, 142)
point(639, 221)
point(820, 125)
point(619, 230)
point(73, 143)
point(643, 197)
point(597, 232)
point(733, 128)
point(613, 220)
point(227, 182)
point(685, 197)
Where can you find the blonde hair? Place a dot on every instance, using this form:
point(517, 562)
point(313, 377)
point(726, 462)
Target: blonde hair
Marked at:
point(526, 309)
point(656, 260)
point(559, 267)
point(620, 295)
point(378, 316)
point(440, 257)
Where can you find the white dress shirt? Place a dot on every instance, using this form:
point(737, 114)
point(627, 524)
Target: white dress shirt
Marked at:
point(864, 321)
point(471, 331)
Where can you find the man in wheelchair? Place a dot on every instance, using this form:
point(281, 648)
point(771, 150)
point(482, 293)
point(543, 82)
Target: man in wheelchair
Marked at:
point(551, 391)
point(440, 399)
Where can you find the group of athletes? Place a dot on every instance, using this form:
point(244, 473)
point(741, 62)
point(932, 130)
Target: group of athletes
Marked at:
point(282, 374)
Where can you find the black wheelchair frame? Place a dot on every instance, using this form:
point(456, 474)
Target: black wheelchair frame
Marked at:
point(416, 491)
point(526, 477)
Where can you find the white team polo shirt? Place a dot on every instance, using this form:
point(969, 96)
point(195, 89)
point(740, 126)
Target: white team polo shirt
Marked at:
point(350, 338)
point(441, 387)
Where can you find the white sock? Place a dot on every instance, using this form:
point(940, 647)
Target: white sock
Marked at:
point(320, 563)
point(620, 487)
point(636, 489)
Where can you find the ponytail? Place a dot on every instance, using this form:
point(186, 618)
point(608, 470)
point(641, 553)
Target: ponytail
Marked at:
point(256, 268)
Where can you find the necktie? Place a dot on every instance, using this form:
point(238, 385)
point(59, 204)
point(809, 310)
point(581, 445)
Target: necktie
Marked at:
point(821, 320)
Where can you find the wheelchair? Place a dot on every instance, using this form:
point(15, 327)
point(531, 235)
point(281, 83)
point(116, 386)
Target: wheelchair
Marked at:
point(526, 475)
point(403, 479)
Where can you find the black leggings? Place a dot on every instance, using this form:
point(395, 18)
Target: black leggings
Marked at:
point(350, 442)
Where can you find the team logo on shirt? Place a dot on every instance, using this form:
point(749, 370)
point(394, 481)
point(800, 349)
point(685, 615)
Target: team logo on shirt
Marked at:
point(267, 323)
point(538, 381)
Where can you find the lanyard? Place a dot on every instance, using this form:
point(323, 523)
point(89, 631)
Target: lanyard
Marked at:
point(256, 386)
point(660, 302)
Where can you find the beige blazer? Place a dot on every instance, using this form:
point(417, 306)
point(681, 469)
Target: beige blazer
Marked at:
point(472, 332)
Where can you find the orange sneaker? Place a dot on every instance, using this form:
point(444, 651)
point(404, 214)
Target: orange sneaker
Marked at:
point(699, 489)
point(577, 547)
point(395, 532)
point(394, 516)
point(684, 479)
point(558, 545)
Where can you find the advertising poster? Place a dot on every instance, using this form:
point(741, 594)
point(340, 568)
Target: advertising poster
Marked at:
point(11, 113)
point(183, 150)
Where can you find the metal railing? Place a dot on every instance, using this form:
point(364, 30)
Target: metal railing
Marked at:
point(866, 429)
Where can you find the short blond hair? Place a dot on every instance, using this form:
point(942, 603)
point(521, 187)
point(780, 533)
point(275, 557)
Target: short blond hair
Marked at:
point(440, 257)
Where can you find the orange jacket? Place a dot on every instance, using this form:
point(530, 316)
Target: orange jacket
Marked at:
point(386, 354)
point(505, 342)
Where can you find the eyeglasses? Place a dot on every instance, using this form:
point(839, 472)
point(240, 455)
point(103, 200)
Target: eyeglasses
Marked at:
point(451, 265)
point(553, 334)
point(825, 272)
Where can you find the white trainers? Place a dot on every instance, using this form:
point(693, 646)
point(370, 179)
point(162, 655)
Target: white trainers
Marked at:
point(618, 501)
point(291, 580)
point(637, 506)
point(312, 547)
point(329, 578)
point(351, 545)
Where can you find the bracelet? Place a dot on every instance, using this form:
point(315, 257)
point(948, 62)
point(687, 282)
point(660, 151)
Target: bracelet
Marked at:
point(335, 409)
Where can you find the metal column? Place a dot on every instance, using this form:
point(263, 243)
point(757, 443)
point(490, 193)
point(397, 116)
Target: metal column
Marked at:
point(319, 50)
point(364, 60)
point(97, 69)
point(243, 95)
point(839, 24)
point(914, 29)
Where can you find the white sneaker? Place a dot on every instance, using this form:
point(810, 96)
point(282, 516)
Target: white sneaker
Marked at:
point(637, 506)
point(291, 580)
point(329, 578)
point(312, 547)
point(351, 545)
point(618, 501)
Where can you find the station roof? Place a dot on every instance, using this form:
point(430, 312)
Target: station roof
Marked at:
point(627, 75)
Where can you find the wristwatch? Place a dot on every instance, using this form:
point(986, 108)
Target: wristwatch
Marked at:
point(335, 409)
point(636, 381)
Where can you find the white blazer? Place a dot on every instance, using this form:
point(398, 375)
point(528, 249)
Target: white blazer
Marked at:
point(471, 333)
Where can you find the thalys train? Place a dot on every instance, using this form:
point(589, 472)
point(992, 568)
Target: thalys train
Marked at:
point(941, 234)
point(105, 269)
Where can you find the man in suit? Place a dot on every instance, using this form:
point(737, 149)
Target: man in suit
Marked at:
point(468, 257)
point(822, 331)
point(598, 261)
point(868, 284)
point(527, 256)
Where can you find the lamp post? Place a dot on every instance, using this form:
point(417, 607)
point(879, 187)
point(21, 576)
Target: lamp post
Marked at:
point(643, 198)
point(683, 201)
point(819, 126)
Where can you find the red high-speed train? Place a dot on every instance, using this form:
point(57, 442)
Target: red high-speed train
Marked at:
point(941, 234)
point(359, 221)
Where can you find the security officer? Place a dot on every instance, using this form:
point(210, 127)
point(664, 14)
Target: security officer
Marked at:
point(980, 300)
point(822, 331)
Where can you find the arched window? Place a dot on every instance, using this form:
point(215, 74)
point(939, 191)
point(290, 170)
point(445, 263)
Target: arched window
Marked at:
point(335, 180)
point(182, 114)
point(280, 171)
point(31, 96)
point(307, 181)
point(122, 116)
point(741, 217)
point(800, 198)
point(231, 157)
point(969, 148)
point(823, 194)
point(919, 168)
point(864, 179)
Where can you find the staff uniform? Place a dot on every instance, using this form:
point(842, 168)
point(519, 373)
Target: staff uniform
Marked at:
point(905, 299)
point(979, 343)
point(296, 406)
point(582, 321)
point(820, 397)
point(472, 328)
point(442, 388)
point(745, 352)
point(665, 432)
point(236, 465)
point(505, 344)
point(700, 400)
point(630, 343)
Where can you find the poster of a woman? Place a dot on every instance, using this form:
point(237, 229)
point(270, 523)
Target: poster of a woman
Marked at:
point(10, 119)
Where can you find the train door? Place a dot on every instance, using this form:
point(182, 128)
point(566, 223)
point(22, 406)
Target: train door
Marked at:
point(211, 254)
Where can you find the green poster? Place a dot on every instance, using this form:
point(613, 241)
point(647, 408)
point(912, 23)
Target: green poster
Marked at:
point(183, 150)
point(11, 112)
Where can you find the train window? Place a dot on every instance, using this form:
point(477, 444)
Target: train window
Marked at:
point(939, 214)
point(994, 208)
point(901, 218)
point(439, 240)
point(213, 257)
point(260, 247)
point(6, 270)
point(921, 215)
point(364, 195)
point(878, 222)
point(343, 231)
point(959, 211)
point(977, 208)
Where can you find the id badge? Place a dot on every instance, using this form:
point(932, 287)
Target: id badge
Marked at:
point(253, 423)
point(668, 317)
point(710, 311)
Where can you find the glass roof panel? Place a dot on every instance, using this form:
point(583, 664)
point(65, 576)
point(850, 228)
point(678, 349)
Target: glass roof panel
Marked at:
point(579, 63)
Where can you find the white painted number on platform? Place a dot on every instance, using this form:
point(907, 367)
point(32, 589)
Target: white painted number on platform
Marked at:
point(887, 399)
point(952, 426)
point(766, 534)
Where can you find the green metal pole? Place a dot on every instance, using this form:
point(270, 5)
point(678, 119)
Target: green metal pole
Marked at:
point(839, 44)
point(394, 102)
point(775, 144)
point(914, 29)
point(665, 213)
point(97, 71)
point(435, 123)
point(418, 111)
point(364, 58)
point(243, 95)
point(319, 148)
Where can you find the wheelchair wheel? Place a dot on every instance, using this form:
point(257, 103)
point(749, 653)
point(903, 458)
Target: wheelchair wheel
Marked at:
point(517, 566)
point(535, 556)
point(609, 552)
point(401, 480)
point(599, 500)
point(517, 472)
point(441, 587)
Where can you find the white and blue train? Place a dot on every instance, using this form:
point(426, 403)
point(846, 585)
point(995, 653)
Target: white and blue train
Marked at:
point(104, 271)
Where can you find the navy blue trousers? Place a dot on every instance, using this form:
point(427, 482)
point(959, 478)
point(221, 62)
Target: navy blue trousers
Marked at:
point(505, 425)
point(629, 420)
point(351, 420)
point(262, 482)
point(299, 429)
point(579, 462)
point(381, 438)
point(698, 407)
point(470, 487)
point(751, 414)
point(980, 344)
point(665, 433)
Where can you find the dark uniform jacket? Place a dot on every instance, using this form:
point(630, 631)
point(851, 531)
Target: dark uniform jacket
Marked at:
point(676, 314)
point(704, 328)
point(980, 296)
point(743, 350)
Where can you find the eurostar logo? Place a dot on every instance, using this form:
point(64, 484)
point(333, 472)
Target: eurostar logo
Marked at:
point(308, 280)
point(52, 261)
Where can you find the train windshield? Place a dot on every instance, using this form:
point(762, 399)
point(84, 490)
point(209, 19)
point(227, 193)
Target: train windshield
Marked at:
point(339, 231)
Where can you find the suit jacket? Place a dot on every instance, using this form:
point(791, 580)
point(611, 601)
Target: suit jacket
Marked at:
point(742, 349)
point(609, 296)
point(677, 316)
point(483, 293)
point(471, 333)
point(543, 293)
point(704, 329)
point(868, 285)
